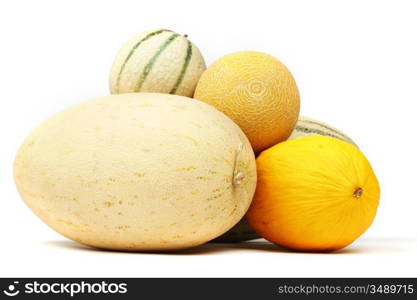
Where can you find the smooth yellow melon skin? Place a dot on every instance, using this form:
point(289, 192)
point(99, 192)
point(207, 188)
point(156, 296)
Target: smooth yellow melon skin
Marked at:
point(313, 194)
point(304, 127)
point(137, 172)
point(256, 91)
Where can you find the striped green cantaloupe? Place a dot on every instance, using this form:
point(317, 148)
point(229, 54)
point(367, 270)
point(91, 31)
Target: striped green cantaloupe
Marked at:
point(158, 61)
point(307, 126)
point(304, 127)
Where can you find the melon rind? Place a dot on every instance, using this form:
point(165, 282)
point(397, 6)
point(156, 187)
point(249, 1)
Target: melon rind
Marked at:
point(139, 171)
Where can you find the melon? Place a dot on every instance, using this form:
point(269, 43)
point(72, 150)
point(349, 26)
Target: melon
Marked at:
point(304, 127)
point(255, 90)
point(242, 231)
point(307, 127)
point(157, 61)
point(315, 193)
point(140, 171)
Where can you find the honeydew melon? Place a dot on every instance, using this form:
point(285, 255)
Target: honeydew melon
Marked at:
point(141, 171)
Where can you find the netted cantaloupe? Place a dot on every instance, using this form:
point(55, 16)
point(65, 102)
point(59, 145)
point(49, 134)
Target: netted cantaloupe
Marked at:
point(138, 172)
point(256, 91)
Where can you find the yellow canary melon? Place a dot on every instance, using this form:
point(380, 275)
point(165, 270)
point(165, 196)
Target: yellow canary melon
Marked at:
point(142, 171)
point(157, 61)
point(304, 127)
point(256, 91)
point(313, 193)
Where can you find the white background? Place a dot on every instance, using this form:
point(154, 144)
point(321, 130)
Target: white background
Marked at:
point(356, 66)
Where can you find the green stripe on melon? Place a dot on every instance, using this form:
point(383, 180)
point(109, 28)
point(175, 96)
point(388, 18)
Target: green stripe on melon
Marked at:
point(158, 61)
point(134, 49)
point(152, 61)
point(184, 68)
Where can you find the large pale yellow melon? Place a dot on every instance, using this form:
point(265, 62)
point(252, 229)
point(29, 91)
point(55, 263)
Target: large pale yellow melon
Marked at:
point(138, 172)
